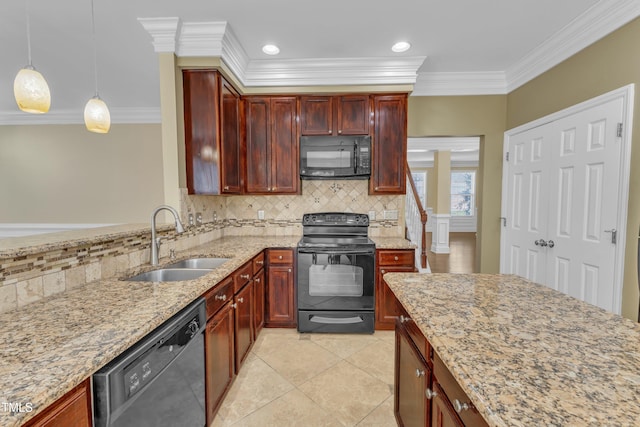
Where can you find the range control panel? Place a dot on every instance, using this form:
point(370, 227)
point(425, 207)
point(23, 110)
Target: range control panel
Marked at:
point(336, 219)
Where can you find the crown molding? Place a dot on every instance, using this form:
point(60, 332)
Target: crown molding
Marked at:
point(163, 31)
point(75, 117)
point(598, 21)
point(470, 83)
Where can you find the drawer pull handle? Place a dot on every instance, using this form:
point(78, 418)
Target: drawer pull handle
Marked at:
point(244, 276)
point(221, 297)
point(419, 373)
point(404, 319)
point(430, 394)
point(459, 406)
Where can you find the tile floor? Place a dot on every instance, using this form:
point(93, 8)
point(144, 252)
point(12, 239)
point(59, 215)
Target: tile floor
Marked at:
point(293, 379)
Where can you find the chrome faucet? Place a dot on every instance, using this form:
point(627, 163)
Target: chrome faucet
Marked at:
point(155, 241)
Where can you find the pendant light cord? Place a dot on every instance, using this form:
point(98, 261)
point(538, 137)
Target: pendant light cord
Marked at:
point(28, 32)
point(95, 54)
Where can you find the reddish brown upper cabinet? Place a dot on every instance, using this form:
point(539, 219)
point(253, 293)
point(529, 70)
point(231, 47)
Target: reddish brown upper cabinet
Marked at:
point(389, 145)
point(212, 133)
point(271, 145)
point(335, 115)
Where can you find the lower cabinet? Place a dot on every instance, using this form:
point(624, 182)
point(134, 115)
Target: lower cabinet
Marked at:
point(424, 388)
point(219, 358)
point(72, 409)
point(242, 304)
point(280, 295)
point(387, 261)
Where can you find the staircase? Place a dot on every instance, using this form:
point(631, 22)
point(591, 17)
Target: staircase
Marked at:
point(416, 224)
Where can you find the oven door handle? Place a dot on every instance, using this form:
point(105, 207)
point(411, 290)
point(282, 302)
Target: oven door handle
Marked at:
point(336, 251)
point(336, 320)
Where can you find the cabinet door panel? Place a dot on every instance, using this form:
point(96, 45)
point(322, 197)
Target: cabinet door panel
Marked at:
point(258, 139)
point(284, 146)
point(442, 414)
point(230, 175)
point(389, 145)
point(386, 303)
point(353, 115)
point(243, 323)
point(201, 131)
point(280, 296)
point(219, 358)
point(412, 376)
point(258, 303)
point(316, 115)
point(72, 409)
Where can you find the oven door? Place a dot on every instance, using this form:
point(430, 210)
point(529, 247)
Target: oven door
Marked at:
point(335, 279)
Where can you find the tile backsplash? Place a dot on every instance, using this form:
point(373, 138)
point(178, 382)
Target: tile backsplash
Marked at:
point(285, 212)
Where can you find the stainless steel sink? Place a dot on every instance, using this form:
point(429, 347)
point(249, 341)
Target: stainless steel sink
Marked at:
point(199, 263)
point(169, 275)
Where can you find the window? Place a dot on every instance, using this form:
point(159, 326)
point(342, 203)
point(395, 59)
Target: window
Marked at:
point(463, 193)
point(420, 180)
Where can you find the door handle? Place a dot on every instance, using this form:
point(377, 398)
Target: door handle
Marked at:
point(551, 243)
point(541, 242)
point(614, 235)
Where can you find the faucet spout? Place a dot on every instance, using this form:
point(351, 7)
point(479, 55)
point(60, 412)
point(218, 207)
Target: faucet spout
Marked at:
point(155, 241)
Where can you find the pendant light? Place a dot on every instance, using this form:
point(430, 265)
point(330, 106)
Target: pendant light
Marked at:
point(29, 87)
point(96, 113)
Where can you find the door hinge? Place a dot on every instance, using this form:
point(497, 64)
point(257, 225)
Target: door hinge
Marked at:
point(506, 157)
point(619, 130)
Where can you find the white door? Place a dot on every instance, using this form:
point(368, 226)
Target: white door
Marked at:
point(528, 203)
point(586, 165)
point(565, 189)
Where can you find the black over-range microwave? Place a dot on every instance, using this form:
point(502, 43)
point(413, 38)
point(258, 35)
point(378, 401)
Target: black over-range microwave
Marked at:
point(335, 157)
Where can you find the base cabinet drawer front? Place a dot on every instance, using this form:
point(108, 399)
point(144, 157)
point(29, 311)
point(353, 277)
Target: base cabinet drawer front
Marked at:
point(455, 395)
point(219, 296)
point(280, 256)
point(397, 258)
point(72, 409)
point(242, 276)
point(412, 379)
point(258, 263)
point(219, 358)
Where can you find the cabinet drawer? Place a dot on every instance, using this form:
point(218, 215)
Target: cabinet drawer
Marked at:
point(396, 257)
point(242, 276)
point(458, 398)
point(280, 256)
point(258, 263)
point(414, 332)
point(218, 296)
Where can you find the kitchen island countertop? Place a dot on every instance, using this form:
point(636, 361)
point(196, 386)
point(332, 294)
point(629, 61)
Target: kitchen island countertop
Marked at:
point(526, 354)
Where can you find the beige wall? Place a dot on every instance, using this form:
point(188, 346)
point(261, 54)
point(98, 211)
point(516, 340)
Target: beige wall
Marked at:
point(66, 174)
point(611, 63)
point(483, 116)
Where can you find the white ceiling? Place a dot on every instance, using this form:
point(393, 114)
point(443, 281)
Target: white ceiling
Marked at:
point(470, 46)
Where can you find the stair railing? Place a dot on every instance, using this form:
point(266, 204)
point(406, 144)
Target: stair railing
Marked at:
point(416, 221)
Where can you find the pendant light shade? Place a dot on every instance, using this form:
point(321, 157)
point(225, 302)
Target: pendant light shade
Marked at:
point(31, 91)
point(96, 115)
point(29, 87)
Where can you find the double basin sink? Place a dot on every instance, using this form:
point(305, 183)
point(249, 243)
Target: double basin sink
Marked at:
point(187, 269)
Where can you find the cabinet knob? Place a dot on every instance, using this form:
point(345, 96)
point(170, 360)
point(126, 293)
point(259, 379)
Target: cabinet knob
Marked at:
point(430, 394)
point(279, 256)
point(459, 406)
point(257, 280)
point(221, 297)
point(404, 319)
point(240, 300)
point(289, 270)
point(226, 187)
point(234, 305)
point(395, 258)
point(330, 131)
point(419, 373)
point(260, 262)
point(245, 276)
point(383, 271)
point(339, 132)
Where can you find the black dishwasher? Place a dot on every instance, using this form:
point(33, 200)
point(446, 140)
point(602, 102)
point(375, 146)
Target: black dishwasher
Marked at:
point(160, 380)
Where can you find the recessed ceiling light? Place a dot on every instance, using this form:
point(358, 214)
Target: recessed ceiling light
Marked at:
point(270, 49)
point(401, 47)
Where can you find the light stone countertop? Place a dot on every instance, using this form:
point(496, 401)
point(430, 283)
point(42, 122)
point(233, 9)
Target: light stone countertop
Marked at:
point(50, 346)
point(392, 243)
point(526, 354)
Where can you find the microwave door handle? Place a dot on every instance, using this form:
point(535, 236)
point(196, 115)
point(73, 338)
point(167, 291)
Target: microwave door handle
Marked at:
point(355, 158)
